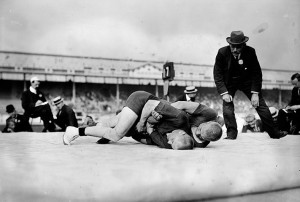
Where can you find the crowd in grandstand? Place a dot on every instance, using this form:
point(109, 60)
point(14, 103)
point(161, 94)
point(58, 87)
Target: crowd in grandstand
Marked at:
point(99, 103)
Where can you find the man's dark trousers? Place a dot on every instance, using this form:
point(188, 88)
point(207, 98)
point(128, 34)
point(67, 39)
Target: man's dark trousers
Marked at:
point(262, 110)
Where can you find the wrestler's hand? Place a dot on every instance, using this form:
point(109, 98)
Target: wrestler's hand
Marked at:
point(157, 116)
point(140, 127)
point(227, 98)
point(152, 120)
point(255, 100)
point(149, 128)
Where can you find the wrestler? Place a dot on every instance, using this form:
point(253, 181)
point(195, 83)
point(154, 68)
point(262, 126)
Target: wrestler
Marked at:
point(206, 125)
point(125, 122)
point(203, 121)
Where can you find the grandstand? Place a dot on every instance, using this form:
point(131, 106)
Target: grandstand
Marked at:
point(99, 85)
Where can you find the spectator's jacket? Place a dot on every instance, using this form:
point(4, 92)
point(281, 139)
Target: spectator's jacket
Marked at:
point(295, 99)
point(66, 117)
point(29, 99)
point(250, 69)
point(21, 124)
point(183, 98)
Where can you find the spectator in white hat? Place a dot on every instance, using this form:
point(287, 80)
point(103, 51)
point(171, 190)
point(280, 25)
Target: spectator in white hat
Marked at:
point(35, 105)
point(65, 116)
point(190, 93)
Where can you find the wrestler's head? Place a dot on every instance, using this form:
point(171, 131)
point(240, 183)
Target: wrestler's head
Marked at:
point(180, 140)
point(208, 131)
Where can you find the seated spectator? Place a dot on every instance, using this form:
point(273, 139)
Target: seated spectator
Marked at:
point(10, 126)
point(252, 124)
point(35, 105)
point(288, 118)
point(16, 122)
point(65, 116)
point(190, 93)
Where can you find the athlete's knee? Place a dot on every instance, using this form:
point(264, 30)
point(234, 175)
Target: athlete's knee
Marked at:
point(116, 136)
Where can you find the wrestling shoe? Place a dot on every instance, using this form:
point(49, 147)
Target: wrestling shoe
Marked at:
point(103, 141)
point(230, 138)
point(70, 135)
point(280, 134)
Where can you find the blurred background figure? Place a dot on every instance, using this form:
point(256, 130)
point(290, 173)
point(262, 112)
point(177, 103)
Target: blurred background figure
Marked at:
point(252, 125)
point(274, 113)
point(35, 105)
point(65, 116)
point(289, 118)
point(89, 121)
point(16, 122)
point(190, 93)
point(10, 126)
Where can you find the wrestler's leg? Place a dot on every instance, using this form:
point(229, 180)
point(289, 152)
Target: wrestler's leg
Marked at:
point(110, 122)
point(125, 121)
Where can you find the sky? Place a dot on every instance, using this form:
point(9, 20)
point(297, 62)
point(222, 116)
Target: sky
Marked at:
point(189, 31)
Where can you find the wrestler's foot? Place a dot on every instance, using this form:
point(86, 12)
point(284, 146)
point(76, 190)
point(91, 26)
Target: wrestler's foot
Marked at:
point(70, 135)
point(103, 141)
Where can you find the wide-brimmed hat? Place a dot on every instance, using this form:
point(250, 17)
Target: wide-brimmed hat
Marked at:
point(237, 37)
point(190, 89)
point(274, 111)
point(57, 100)
point(10, 108)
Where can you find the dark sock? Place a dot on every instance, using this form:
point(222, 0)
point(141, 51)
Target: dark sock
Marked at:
point(81, 131)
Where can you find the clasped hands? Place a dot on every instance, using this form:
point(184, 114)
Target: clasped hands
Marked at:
point(153, 119)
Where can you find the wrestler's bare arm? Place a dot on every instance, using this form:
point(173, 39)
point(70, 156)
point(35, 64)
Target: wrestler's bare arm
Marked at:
point(146, 112)
point(188, 107)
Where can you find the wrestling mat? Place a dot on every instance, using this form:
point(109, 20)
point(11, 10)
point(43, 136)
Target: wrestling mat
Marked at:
point(38, 167)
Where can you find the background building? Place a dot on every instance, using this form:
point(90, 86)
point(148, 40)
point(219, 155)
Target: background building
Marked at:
point(101, 85)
